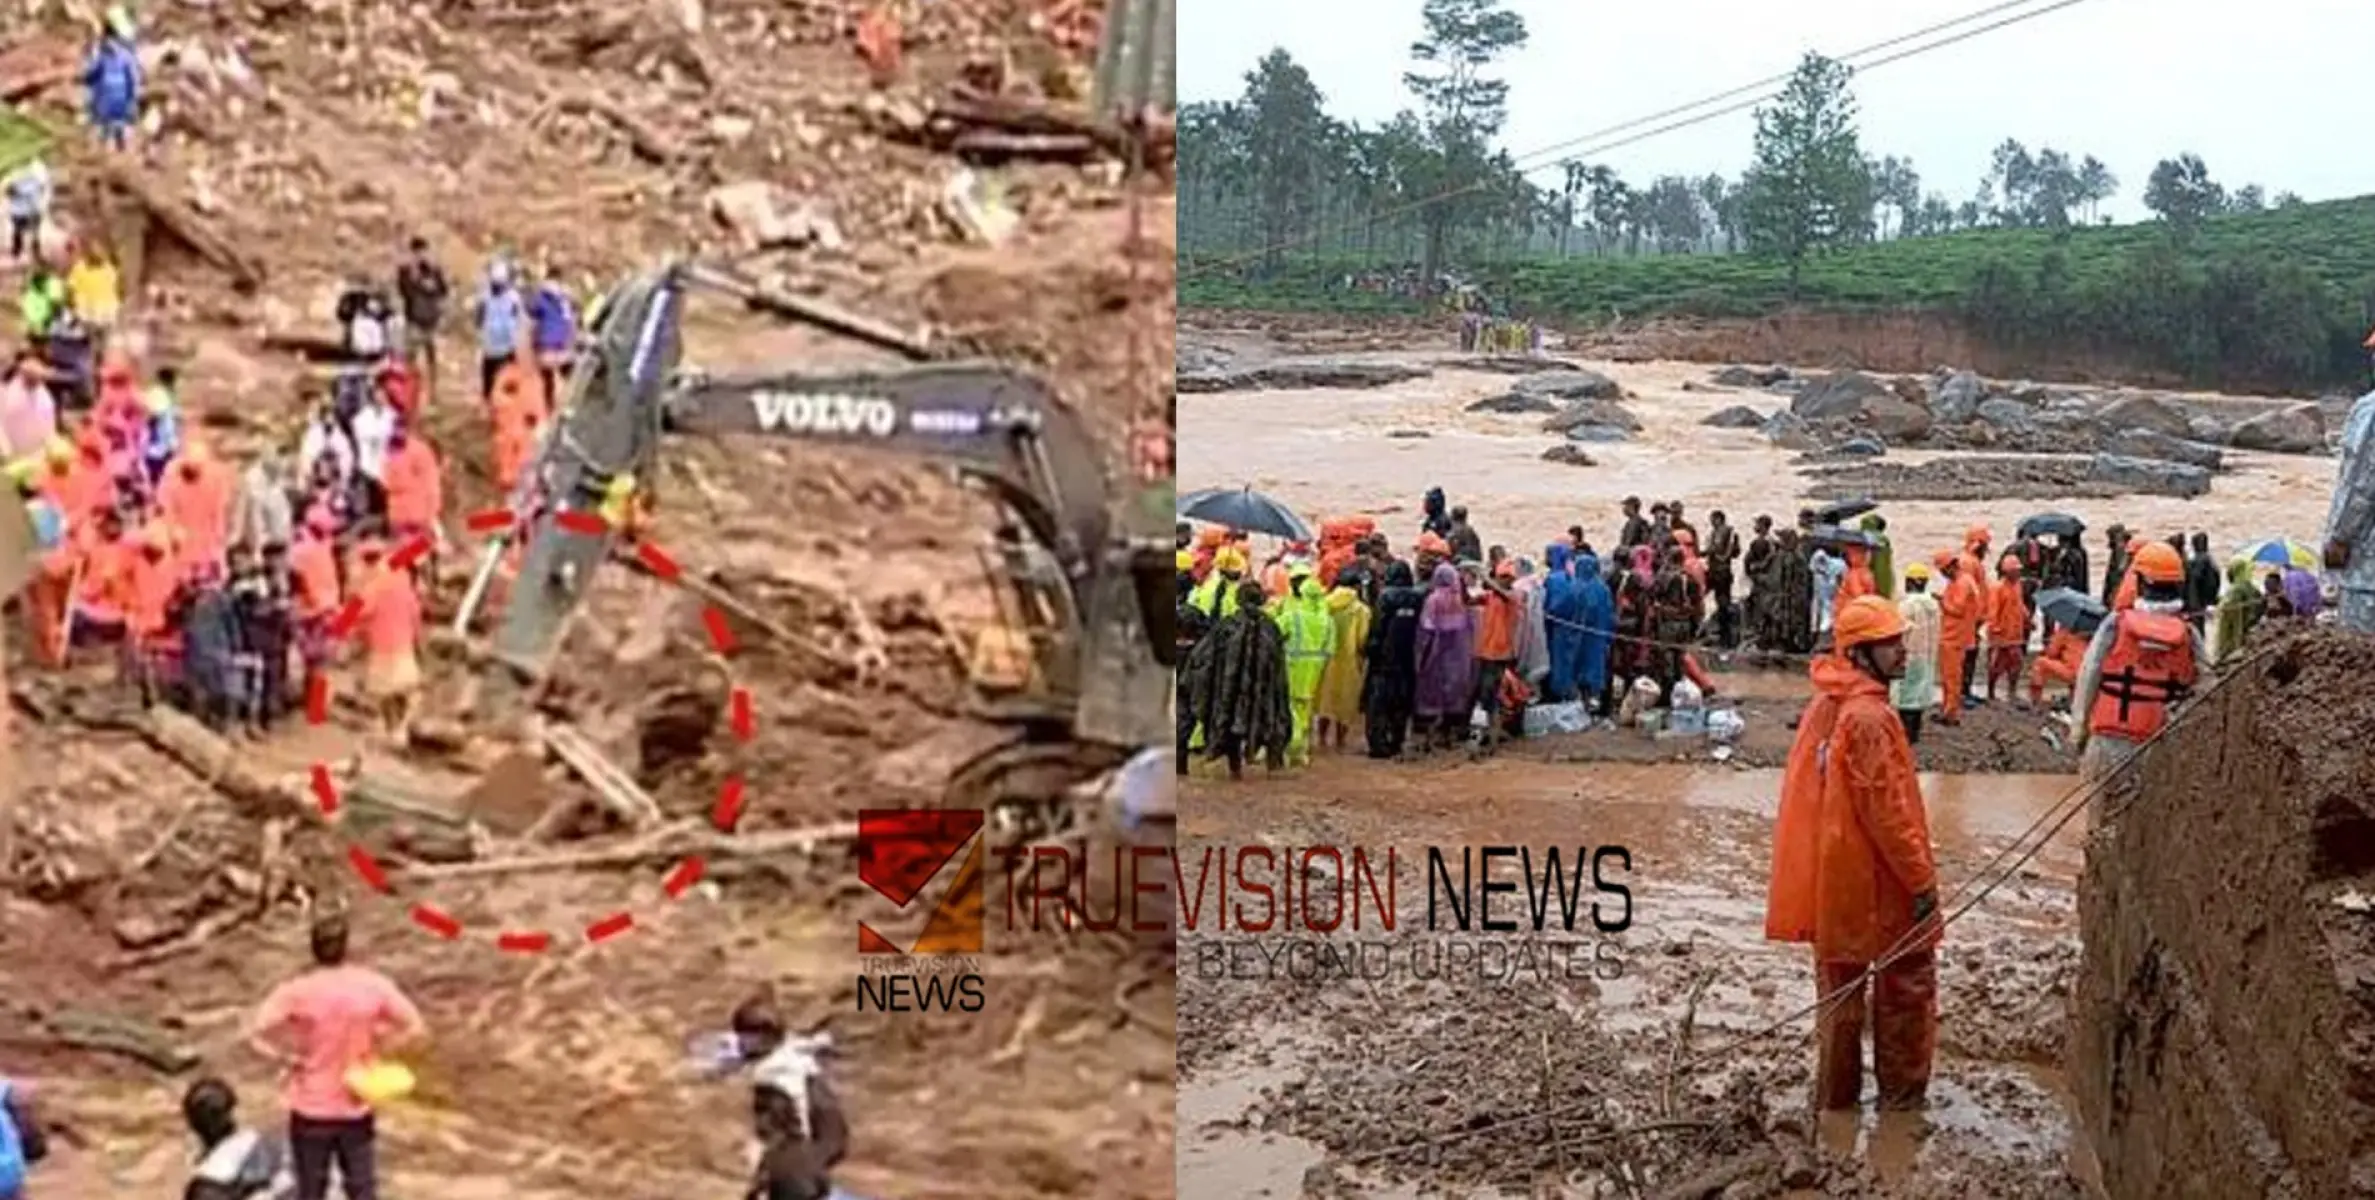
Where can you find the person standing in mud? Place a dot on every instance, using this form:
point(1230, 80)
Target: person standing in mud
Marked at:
point(1392, 653)
point(1757, 565)
point(1723, 547)
point(1791, 611)
point(1678, 523)
point(2142, 662)
point(1854, 873)
point(2116, 561)
point(1237, 687)
point(319, 1027)
point(1634, 532)
point(1913, 692)
point(2203, 583)
point(1466, 546)
point(1675, 610)
point(1435, 515)
point(1446, 657)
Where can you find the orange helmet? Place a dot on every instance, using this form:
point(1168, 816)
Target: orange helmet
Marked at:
point(2158, 563)
point(1866, 619)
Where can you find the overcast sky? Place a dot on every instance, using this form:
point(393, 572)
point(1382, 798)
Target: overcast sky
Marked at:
point(2262, 91)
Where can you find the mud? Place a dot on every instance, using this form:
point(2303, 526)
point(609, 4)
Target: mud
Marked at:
point(1491, 1081)
point(562, 1075)
point(1974, 478)
point(2224, 1004)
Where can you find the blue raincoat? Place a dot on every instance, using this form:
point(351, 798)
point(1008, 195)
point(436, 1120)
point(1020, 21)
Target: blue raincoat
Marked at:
point(1562, 612)
point(113, 79)
point(1599, 619)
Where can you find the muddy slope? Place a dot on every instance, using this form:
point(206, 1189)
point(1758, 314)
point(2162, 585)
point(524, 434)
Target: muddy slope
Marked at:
point(2222, 1012)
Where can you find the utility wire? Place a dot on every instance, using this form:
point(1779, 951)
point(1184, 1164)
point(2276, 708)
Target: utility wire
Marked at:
point(1599, 142)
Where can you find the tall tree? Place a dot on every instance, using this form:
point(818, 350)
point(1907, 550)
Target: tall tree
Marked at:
point(2181, 191)
point(1463, 109)
point(2096, 184)
point(2249, 198)
point(1287, 139)
point(1809, 172)
point(1572, 181)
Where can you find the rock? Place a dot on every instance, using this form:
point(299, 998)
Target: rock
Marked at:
point(1739, 416)
point(1752, 376)
point(1787, 431)
point(1570, 454)
point(1580, 413)
point(2144, 443)
point(2004, 413)
point(1862, 447)
point(1300, 373)
point(752, 212)
point(1855, 396)
point(1570, 384)
point(2150, 476)
point(2149, 413)
point(1407, 434)
point(1515, 402)
point(1958, 399)
point(2209, 429)
point(1598, 433)
point(2031, 394)
point(2300, 429)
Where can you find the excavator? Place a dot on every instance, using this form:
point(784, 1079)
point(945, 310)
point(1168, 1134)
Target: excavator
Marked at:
point(1083, 563)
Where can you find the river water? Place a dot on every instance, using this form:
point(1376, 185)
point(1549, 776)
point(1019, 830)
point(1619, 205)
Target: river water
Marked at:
point(1333, 452)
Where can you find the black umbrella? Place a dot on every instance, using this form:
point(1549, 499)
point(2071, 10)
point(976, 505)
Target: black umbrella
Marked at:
point(1838, 512)
point(2050, 525)
point(1245, 509)
point(1840, 535)
point(2073, 610)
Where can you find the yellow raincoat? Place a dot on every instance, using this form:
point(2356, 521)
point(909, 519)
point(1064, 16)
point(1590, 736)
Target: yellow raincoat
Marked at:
point(1340, 683)
point(1310, 636)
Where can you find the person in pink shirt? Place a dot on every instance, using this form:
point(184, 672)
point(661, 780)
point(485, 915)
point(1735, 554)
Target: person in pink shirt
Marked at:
point(320, 1026)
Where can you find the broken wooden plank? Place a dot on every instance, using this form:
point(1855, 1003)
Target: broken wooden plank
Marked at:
point(615, 789)
point(669, 845)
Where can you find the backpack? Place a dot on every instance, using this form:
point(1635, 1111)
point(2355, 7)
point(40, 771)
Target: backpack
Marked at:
point(12, 1148)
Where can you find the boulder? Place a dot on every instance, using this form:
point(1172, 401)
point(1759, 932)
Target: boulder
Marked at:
point(2300, 429)
point(1751, 376)
point(2004, 413)
point(1570, 384)
point(2147, 475)
point(1580, 413)
point(2149, 413)
point(1570, 454)
point(1787, 431)
point(1300, 373)
point(2144, 443)
point(1855, 396)
point(1598, 433)
point(2208, 429)
point(1958, 399)
point(1739, 416)
point(1515, 402)
point(1862, 447)
point(1507, 364)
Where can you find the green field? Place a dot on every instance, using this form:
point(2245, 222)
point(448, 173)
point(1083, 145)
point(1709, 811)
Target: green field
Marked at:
point(2274, 297)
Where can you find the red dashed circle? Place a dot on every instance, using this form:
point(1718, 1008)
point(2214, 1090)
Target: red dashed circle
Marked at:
point(724, 815)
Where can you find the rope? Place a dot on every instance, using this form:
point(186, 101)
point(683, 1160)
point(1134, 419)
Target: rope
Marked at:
point(1906, 943)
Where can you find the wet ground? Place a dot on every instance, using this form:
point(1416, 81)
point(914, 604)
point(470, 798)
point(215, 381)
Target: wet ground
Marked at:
point(1430, 1072)
point(1375, 450)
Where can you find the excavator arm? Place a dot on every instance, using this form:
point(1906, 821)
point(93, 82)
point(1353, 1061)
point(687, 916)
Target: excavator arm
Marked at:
point(992, 424)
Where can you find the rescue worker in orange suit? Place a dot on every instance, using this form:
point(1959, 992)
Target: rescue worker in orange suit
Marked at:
point(2064, 654)
point(2142, 662)
point(1960, 612)
point(1976, 540)
point(1853, 869)
point(2007, 628)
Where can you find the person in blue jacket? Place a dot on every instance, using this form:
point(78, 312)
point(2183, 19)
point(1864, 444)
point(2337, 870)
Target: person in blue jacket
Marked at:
point(552, 318)
point(500, 314)
point(22, 1141)
point(113, 79)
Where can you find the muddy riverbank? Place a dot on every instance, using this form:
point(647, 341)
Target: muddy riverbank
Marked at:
point(1431, 1058)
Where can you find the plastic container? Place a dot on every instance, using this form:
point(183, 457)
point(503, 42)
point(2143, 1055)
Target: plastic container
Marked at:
point(382, 1082)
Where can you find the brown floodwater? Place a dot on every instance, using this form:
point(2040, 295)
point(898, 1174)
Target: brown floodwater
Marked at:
point(1333, 452)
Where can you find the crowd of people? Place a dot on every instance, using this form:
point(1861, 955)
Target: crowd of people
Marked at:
point(1318, 640)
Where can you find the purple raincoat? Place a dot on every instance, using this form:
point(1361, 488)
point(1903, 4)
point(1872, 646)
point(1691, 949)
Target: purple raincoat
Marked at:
point(1446, 648)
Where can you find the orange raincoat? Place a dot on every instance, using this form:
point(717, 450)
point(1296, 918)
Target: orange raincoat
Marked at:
point(416, 487)
point(195, 498)
point(2007, 626)
point(2059, 664)
point(1961, 609)
point(1857, 582)
point(1851, 851)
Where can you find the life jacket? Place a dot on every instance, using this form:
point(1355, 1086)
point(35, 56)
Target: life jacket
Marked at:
point(2149, 667)
point(12, 1147)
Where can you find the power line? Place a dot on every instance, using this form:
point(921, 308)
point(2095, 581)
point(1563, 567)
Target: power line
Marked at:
point(1564, 150)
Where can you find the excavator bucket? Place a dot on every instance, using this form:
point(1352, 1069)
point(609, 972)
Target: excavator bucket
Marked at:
point(1125, 691)
point(1136, 64)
